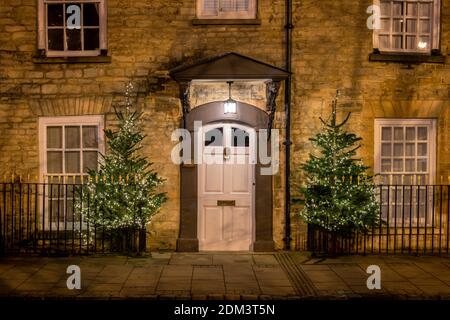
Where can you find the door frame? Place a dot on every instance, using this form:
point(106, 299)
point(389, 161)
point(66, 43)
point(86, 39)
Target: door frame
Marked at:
point(252, 160)
point(209, 113)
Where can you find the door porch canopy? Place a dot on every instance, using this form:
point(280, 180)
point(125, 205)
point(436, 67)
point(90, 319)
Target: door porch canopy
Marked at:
point(229, 67)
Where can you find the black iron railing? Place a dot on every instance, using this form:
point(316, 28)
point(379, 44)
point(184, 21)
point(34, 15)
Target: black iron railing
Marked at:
point(43, 218)
point(414, 220)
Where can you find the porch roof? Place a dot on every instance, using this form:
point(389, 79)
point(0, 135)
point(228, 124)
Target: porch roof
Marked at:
point(228, 66)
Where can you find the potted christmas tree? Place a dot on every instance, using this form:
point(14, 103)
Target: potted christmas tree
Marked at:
point(339, 196)
point(121, 197)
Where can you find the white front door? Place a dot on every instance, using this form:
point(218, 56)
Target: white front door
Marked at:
point(226, 183)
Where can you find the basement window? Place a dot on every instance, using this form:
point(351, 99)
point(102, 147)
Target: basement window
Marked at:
point(226, 9)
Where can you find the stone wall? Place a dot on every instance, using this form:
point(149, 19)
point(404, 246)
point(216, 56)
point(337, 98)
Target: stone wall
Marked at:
point(331, 44)
point(145, 40)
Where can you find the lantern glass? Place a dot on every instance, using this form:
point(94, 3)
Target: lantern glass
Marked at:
point(229, 106)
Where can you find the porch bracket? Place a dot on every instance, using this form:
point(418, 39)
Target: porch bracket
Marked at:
point(272, 89)
point(185, 87)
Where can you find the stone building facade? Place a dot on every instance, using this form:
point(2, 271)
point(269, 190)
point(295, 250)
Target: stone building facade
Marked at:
point(332, 48)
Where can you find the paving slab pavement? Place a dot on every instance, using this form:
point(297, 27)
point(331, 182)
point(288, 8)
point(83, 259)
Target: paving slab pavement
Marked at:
point(236, 276)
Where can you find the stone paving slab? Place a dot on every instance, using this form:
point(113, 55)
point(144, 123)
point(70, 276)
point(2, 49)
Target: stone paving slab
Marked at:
point(222, 276)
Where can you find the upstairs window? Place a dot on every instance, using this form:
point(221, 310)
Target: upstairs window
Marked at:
point(226, 9)
point(72, 28)
point(408, 26)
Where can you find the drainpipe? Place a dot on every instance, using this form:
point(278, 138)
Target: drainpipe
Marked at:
point(287, 109)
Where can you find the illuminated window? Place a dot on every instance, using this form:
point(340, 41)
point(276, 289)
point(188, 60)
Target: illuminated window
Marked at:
point(408, 26)
point(226, 9)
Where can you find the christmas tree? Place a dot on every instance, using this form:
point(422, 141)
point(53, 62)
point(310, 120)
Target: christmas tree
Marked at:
point(339, 195)
point(122, 194)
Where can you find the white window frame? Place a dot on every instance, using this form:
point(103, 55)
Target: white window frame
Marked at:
point(249, 14)
point(434, 36)
point(42, 30)
point(431, 124)
point(44, 122)
point(401, 122)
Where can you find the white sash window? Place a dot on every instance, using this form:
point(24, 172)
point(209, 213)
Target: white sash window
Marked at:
point(226, 9)
point(408, 26)
point(72, 28)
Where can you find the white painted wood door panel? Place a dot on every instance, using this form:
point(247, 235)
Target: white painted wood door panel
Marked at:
point(226, 227)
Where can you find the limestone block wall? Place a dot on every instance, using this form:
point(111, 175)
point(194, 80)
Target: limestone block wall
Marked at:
point(331, 45)
point(145, 40)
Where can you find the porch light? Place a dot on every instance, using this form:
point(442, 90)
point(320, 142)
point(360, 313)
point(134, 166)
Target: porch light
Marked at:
point(229, 106)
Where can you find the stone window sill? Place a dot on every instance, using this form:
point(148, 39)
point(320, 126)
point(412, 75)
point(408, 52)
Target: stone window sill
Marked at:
point(204, 22)
point(40, 59)
point(407, 58)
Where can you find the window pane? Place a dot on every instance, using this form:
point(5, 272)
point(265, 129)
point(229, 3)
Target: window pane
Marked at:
point(91, 39)
point(397, 42)
point(421, 149)
point(398, 165)
point(72, 161)
point(72, 137)
point(54, 137)
point(386, 150)
point(214, 137)
point(54, 162)
point(398, 149)
point(70, 211)
point(90, 14)
point(410, 165)
point(227, 5)
point(240, 138)
point(90, 160)
point(386, 134)
point(55, 39)
point(241, 5)
point(73, 39)
point(398, 133)
point(90, 139)
point(410, 149)
point(411, 25)
point(55, 15)
point(410, 134)
point(385, 25)
point(422, 165)
point(57, 211)
point(385, 165)
point(425, 10)
point(411, 42)
point(210, 6)
point(422, 133)
point(384, 42)
point(424, 43)
point(385, 8)
point(411, 9)
point(397, 9)
point(397, 25)
point(424, 26)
